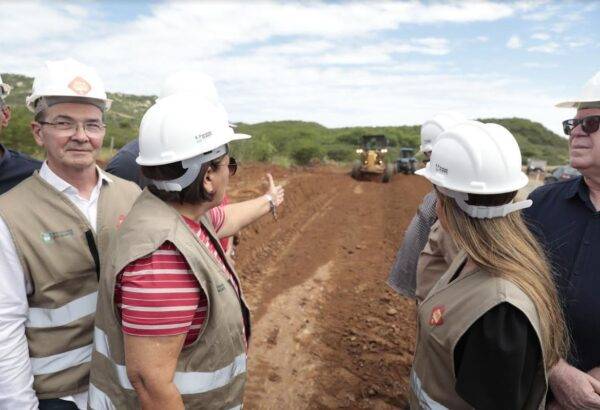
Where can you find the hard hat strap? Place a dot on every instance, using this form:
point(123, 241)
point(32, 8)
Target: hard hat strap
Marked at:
point(192, 167)
point(484, 212)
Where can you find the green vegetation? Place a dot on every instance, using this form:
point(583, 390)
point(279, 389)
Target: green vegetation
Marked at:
point(281, 142)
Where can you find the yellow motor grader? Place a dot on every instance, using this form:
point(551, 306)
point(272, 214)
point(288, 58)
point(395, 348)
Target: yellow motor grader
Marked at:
point(373, 162)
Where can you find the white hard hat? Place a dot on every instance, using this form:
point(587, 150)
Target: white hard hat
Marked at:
point(184, 128)
point(4, 89)
point(68, 78)
point(193, 82)
point(589, 94)
point(439, 123)
point(477, 158)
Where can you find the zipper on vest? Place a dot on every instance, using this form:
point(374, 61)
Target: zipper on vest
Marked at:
point(89, 236)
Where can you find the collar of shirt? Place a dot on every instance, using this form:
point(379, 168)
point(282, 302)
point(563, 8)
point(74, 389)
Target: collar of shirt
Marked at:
point(63, 186)
point(579, 188)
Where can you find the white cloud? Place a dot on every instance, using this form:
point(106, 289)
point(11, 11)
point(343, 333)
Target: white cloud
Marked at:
point(533, 64)
point(543, 11)
point(514, 42)
point(334, 63)
point(579, 43)
point(541, 36)
point(548, 48)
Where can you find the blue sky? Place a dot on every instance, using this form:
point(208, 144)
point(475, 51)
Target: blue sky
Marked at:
point(337, 63)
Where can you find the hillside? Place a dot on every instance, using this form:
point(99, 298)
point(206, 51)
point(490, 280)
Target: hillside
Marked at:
point(280, 141)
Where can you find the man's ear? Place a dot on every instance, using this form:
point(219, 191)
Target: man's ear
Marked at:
point(36, 130)
point(208, 181)
point(5, 117)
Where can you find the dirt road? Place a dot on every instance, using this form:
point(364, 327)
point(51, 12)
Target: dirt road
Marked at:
point(328, 332)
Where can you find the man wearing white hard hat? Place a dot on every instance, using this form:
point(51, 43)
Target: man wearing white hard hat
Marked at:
point(14, 166)
point(54, 229)
point(172, 326)
point(491, 327)
point(229, 218)
point(403, 277)
point(566, 218)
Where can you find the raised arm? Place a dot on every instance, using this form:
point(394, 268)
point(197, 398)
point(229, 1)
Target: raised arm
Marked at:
point(242, 214)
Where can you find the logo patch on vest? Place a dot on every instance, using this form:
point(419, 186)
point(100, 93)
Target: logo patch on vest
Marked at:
point(437, 316)
point(80, 86)
point(220, 287)
point(120, 221)
point(48, 237)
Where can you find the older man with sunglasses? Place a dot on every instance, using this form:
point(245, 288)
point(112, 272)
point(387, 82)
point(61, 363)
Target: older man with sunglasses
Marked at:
point(566, 218)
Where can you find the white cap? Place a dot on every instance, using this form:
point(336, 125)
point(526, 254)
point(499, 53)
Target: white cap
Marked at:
point(183, 128)
point(71, 79)
point(180, 127)
point(433, 127)
point(477, 158)
point(590, 93)
point(192, 82)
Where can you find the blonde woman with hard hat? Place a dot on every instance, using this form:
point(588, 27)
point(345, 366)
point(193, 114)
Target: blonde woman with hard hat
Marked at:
point(54, 230)
point(232, 217)
point(172, 325)
point(14, 166)
point(405, 277)
point(566, 218)
point(492, 326)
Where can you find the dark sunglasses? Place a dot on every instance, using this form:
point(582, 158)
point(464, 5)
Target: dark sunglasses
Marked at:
point(589, 124)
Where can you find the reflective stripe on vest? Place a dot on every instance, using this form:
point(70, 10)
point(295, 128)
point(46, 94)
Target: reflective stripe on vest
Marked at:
point(61, 361)
point(425, 402)
point(186, 382)
point(97, 400)
point(72, 311)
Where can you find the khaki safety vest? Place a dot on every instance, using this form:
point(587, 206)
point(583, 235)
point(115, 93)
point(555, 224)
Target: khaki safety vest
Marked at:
point(59, 252)
point(211, 372)
point(434, 260)
point(444, 316)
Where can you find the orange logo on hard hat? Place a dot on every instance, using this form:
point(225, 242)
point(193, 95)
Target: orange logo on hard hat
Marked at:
point(437, 316)
point(80, 86)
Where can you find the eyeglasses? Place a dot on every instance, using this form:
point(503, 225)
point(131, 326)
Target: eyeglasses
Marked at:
point(232, 166)
point(92, 129)
point(589, 124)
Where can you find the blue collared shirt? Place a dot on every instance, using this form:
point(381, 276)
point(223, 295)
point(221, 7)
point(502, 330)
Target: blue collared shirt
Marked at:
point(568, 227)
point(14, 168)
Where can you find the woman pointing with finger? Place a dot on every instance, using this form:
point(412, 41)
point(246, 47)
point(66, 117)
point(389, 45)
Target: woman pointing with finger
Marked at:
point(172, 326)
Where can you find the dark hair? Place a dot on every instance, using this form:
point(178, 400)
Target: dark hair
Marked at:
point(192, 194)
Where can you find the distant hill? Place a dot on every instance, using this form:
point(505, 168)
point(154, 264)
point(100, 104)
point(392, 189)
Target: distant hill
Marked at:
point(280, 141)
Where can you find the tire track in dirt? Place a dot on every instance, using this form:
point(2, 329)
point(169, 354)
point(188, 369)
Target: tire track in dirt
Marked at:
point(328, 333)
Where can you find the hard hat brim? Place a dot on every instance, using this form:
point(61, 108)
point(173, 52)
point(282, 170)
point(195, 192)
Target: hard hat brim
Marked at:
point(575, 104)
point(231, 137)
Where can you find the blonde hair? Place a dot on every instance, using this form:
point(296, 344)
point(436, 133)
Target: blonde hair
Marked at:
point(506, 248)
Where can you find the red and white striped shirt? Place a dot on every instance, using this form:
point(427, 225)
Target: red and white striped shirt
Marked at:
point(158, 295)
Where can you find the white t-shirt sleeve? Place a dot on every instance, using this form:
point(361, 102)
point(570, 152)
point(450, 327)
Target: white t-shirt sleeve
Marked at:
point(16, 377)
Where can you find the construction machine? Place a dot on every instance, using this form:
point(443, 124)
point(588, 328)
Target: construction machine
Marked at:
point(372, 162)
point(407, 163)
